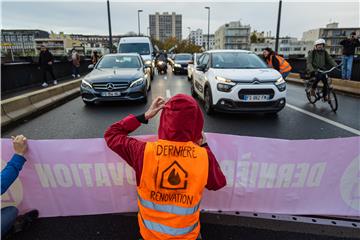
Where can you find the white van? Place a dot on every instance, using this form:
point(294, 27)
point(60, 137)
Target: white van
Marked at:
point(142, 46)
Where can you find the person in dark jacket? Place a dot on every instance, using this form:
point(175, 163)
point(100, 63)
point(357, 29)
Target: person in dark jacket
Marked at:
point(46, 60)
point(277, 62)
point(8, 175)
point(319, 58)
point(349, 45)
point(181, 123)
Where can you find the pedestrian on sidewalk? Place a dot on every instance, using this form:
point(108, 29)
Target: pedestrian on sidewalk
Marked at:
point(10, 223)
point(349, 45)
point(172, 172)
point(46, 60)
point(95, 58)
point(75, 58)
point(277, 62)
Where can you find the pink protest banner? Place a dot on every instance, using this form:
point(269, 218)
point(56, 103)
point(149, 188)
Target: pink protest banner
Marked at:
point(83, 176)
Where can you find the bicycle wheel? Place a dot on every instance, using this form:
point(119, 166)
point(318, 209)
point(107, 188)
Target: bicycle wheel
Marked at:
point(332, 100)
point(312, 99)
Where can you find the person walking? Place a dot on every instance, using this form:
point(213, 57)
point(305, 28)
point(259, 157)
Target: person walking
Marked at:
point(75, 58)
point(172, 172)
point(277, 62)
point(95, 57)
point(349, 45)
point(8, 175)
point(46, 60)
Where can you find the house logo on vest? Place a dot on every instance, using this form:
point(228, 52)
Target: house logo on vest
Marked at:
point(174, 177)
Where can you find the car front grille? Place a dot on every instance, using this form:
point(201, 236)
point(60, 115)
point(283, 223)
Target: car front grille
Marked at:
point(266, 91)
point(115, 86)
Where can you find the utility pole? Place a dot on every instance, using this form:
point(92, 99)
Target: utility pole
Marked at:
point(109, 21)
point(278, 28)
point(139, 11)
point(208, 36)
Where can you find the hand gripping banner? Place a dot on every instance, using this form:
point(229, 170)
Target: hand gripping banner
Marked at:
point(83, 176)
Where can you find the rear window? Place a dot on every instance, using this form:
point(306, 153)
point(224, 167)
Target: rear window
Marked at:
point(140, 48)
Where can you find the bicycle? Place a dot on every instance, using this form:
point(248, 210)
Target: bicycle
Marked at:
point(319, 93)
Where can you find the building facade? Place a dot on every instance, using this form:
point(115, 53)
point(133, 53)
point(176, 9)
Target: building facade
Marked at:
point(164, 26)
point(20, 42)
point(333, 36)
point(211, 40)
point(233, 35)
point(196, 37)
point(288, 46)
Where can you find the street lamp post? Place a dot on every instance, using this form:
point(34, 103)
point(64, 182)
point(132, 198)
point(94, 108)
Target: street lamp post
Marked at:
point(278, 28)
point(139, 11)
point(109, 21)
point(208, 36)
point(189, 33)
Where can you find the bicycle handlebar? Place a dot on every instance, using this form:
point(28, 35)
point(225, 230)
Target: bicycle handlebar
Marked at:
point(330, 70)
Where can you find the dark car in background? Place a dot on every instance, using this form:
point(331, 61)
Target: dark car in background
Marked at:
point(181, 62)
point(116, 77)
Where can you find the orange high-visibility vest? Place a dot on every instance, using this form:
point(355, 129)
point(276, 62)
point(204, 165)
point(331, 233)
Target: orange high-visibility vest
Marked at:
point(173, 178)
point(284, 65)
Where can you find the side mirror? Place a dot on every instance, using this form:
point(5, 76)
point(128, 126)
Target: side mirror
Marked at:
point(201, 68)
point(91, 66)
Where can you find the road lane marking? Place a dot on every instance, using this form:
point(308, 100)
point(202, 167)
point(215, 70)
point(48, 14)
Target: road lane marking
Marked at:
point(336, 124)
point(168, 94)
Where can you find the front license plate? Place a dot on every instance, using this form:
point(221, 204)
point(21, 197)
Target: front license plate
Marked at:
point(256, 97)
point(111, 94)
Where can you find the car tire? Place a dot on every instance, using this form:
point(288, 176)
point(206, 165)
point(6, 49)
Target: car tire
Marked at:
point(149, 86)
point(208, 104)
point(192, 90)
point(152, 75)
point(89, 104)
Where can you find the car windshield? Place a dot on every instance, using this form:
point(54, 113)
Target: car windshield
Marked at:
point(237, 60)
point(140, 48)
point(183, 57)
point(119, 62)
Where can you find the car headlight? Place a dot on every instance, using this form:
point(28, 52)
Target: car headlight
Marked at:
point(85, 84)
point(148, 62)
point(224, 85)
point(177, 65)
point(137, 82)
point(280, 84)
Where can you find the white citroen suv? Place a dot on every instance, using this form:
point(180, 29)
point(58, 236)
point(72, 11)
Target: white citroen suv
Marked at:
point(237, 81)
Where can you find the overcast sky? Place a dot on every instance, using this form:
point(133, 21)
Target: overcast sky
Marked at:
point(90, 17)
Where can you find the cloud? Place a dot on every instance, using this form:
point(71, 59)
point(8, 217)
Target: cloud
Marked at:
point(90, 17)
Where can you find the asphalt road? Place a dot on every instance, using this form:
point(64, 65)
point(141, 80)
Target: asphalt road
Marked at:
point(298, 120)
point(75, 120)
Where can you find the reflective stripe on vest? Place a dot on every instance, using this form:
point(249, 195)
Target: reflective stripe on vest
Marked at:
point(283, 64)
point(169, 208)
point(166, 229)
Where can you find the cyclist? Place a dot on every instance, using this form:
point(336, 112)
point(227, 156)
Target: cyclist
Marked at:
point(319, 58)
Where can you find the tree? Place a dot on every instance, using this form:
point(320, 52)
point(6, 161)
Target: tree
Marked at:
point(253, 38)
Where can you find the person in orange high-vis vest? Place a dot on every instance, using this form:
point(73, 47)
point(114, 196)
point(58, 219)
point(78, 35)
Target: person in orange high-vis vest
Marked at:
point(277, 62)
point(172, 172)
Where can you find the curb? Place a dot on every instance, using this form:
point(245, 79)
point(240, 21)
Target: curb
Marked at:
point(346, 86)
point(20, 107)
